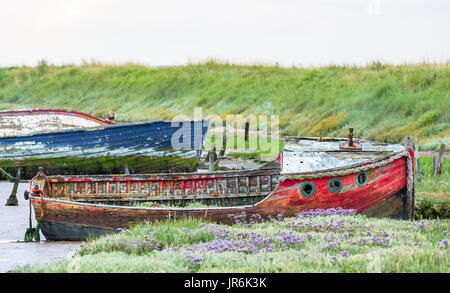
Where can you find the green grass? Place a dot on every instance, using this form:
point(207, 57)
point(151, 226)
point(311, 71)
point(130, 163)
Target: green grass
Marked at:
point(430, 183)
point(383, 102)
point(432, 192)
point(427, 207)
point(402, 246)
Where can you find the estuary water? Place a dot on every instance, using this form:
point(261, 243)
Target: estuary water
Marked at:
point(14, 220)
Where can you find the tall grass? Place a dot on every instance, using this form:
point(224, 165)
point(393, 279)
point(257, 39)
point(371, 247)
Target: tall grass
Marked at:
point(383, 102)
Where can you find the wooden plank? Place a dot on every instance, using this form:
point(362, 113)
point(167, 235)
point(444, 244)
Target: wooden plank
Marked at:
point(408, 142)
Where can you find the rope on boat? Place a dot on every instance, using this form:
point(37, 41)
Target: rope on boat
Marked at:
point(375, 163)
point(33, 234)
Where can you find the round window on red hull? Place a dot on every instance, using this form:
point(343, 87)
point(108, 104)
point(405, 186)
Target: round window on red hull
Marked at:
point(362, 178)
point(335, 185)
point(307, 189)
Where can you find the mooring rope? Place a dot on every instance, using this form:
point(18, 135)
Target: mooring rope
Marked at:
point(375, 163)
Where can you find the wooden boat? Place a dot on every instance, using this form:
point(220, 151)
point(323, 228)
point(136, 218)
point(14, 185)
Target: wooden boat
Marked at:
point(69, 142)
point(375, 180)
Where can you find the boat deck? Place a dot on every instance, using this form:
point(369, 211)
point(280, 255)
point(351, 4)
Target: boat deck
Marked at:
point(304, 155)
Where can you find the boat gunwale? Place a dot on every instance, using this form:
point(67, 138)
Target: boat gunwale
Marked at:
point(154, 176)
point(55, 112)
point(106, 206)
point(387, 154)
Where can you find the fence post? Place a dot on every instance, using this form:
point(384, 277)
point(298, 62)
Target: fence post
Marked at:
point(438, 161)
point(416, 155)
point(212, 157)
point(408, 142)
point(224, 139)
point(247, 127)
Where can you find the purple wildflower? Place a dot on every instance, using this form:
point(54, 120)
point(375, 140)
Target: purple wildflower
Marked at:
point(444, 243)
point(345, 253)
point(195, 260)
point(422, 225)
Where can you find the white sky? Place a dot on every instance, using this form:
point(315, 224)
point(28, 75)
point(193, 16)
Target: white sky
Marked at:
point(174, 32)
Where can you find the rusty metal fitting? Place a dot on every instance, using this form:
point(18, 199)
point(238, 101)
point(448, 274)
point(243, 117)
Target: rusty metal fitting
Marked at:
point(351, 144)
point(111, 116)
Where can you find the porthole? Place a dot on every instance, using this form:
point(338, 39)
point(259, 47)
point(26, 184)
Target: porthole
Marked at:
point(335, 185)
point(307, 189)
point(362, 178)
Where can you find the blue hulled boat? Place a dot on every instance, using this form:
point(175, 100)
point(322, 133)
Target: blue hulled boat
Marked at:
point(92, 145)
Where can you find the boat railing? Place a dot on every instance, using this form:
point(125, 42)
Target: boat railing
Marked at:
point(160, 189)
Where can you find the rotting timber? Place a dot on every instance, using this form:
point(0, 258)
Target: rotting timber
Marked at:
point(310, 173)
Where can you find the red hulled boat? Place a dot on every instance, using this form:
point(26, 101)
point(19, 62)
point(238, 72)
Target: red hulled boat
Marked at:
point(374, 179)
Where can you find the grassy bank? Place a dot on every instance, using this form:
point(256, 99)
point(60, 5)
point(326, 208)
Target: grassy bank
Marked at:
point(433, 192)
point(333, 243)
point(383, 102)
point(430, 184)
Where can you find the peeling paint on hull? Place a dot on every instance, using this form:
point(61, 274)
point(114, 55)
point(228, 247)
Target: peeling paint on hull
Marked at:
point(382, 196)
point(101, 145)
point(26, 122)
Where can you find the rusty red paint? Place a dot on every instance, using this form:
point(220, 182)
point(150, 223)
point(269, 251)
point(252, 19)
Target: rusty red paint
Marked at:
point(383, 183)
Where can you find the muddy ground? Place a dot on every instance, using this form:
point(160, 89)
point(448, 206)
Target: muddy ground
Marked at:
point(14, 221)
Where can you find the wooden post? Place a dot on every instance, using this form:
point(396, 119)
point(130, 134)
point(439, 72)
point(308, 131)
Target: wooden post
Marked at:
point(247, 127)
point(12, 200)
point(438, 161)
point(408, 142)
point(211, 157)
point(416, 155)
point(224, 139)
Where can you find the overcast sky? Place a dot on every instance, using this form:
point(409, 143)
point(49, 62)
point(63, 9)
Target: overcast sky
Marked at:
point(174, 32)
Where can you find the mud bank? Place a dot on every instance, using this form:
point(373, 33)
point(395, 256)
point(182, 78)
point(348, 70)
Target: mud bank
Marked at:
point(13, 223)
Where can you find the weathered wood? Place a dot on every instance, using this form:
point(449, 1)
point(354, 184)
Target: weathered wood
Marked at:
point(435, 164)
point(382, 196)
point(438, 161)
point(144, 146)
point(211, 158)
point(226, 128)
point(12, 200)
point(247, 127)
point(416, 157)
point(408, 142)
